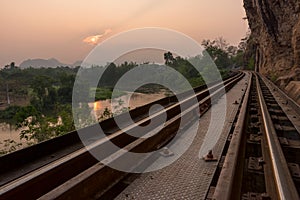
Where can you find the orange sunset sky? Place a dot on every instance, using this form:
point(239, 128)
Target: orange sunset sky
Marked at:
point(69, 29)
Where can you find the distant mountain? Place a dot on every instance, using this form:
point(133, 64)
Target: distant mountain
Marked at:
point(77, 63)
point(50, 63)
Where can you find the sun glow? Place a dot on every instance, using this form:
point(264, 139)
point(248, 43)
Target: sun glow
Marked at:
point(96, 39)
point(93, 39)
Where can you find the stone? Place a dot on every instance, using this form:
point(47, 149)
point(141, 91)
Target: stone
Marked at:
point(275, 37)
point(293, 90)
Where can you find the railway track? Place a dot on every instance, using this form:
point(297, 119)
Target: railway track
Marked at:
point(261, 158)
point(63, 169)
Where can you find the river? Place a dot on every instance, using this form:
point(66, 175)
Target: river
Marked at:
point(131, 100)
point(8, 132)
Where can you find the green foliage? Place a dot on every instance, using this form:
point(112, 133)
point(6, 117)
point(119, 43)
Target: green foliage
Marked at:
point(169, 59)
point(273, 76)
point(26, 76)
point(105, 93)
point(238, 59)
point(112, 73)
point(67, 123)
point(9, 112)
point(150, 88)
point(105, 115)
point(250, 46)
point(224, 55)
point(211, 74)
point(23, 113)
point(168, 93)
point(251, 64)
point(184, 67)
point(196, 81)
point(21, 80)
point(65, 88)
point(83, 117)
point(49, 112)
point(45, 93)
point(118, 109)
point(191, 67)
point(218, 50)
point(40, 128)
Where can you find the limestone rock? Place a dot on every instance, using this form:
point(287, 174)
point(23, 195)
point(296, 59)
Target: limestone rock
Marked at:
point(275, 31)
point(293, 90)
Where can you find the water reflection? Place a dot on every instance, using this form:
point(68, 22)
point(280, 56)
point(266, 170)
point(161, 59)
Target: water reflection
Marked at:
point(130, 100)
point(8, 133)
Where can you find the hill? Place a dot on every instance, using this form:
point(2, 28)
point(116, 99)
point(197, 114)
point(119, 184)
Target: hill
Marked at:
point(46, 63)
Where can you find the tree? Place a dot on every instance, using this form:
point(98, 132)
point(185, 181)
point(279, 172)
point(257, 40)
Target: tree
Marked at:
point(169, 59)
point(24, 113)
point(221, 43)
point(109, 76)
point(223, 54)
point(45, 94)
point(40, 127)
point(12, 65)
point(219, 56)
point(65, 90)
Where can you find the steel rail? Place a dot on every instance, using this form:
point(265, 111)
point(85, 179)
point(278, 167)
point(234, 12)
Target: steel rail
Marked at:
point(284, 182)
point(67, 161)
point(88, 178)
point(13, 165)
point(290, 101)
point(225, 185)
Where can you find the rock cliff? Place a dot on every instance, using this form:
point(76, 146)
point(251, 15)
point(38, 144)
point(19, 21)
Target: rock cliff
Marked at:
point(275, 35)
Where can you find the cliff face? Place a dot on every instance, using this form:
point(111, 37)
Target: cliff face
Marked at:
point(275, 33)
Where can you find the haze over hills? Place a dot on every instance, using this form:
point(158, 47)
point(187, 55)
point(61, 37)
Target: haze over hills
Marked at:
point(138, 56)
point(47, 63)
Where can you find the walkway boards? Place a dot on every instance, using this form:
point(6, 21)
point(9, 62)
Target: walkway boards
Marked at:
point(190, 176)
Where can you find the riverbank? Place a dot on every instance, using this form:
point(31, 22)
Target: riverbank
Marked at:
point(10, 137)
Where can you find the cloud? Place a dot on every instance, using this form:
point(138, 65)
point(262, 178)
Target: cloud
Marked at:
point(96, 39)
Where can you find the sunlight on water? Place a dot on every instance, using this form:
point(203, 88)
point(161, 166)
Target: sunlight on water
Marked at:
point(97, 105)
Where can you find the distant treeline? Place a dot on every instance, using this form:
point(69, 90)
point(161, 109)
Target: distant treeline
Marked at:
point(48, 92)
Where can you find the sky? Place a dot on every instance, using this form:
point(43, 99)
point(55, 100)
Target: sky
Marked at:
point(68, 30)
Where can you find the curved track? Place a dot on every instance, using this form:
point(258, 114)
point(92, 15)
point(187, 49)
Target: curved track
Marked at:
point(262, 157)
point(74, 173)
